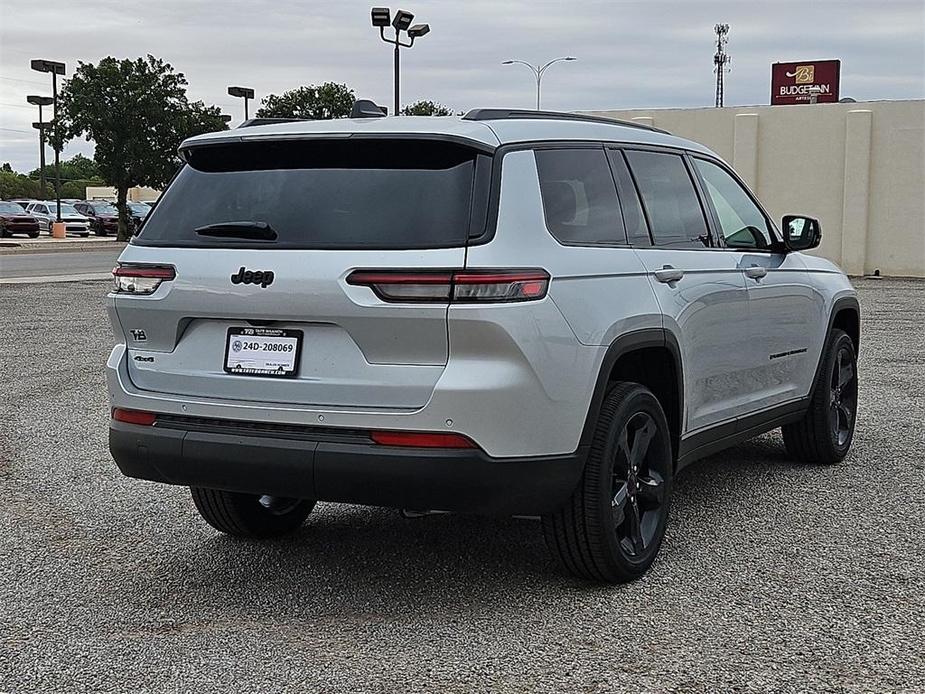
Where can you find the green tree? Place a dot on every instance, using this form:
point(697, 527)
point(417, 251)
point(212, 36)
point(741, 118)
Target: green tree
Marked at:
point(17, 185)
point(324, 102)
point(76, 168)
point(137, 113)
point(426, 108)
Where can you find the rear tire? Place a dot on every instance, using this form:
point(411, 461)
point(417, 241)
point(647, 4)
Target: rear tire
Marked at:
point(612, 527)
point(250, 515)
point(825, 433)
point(33, 234)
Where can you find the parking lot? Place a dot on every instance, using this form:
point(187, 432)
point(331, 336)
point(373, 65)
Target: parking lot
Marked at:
point(774, 576)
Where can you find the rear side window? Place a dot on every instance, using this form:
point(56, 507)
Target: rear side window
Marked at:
point(675, 216)
point(341, 194)
point(579, 197)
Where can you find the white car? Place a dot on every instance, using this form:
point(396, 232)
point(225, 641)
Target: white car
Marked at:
point(46, 213)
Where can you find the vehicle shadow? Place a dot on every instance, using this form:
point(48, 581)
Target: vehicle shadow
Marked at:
point(371, 561)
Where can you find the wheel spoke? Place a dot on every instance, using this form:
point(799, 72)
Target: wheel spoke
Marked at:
point(618, 504)
point(641, 441)
point(652, 489)
point(836, 371)
point(635, 527)
point(845, 415)
point(845, 374)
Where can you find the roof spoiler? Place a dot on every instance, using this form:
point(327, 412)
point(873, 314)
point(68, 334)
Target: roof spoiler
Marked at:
point(268, 121)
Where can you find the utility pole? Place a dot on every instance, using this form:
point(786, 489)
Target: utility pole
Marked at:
point(720, 62)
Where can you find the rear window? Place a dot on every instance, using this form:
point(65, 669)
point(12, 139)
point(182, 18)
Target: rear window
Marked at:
point(361, 193)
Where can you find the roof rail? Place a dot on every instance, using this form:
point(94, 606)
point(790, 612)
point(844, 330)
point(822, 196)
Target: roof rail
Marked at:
point(269, 121)
point(512, 113)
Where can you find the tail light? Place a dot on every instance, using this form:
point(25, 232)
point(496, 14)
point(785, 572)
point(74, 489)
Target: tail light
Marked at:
point(140, 279)
point(461, 286)
point(417, 439)
point(133, 416)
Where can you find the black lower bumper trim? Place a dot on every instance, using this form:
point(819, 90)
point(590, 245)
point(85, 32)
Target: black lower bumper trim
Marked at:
point(459, 480)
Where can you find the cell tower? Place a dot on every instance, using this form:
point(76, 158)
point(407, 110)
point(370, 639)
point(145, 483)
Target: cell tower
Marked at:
point(721, 61)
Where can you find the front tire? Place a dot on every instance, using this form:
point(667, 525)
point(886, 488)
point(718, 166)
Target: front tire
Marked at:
point(825, 433)
point(612, 527)
point(250, 515)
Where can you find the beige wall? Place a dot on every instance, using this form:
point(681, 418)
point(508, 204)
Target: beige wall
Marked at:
point(136, 194)
point(859, 168)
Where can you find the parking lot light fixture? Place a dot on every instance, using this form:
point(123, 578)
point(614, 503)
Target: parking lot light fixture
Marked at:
point(539, 70)
point(401, 23)
point(55, 68)
point(245, 93)
point(40, 101)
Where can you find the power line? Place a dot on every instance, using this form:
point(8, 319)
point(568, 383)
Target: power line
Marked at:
point(12, 130)
point(16, 79)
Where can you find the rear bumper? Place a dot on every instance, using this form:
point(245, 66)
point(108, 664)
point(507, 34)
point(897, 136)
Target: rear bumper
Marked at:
point(335, 468)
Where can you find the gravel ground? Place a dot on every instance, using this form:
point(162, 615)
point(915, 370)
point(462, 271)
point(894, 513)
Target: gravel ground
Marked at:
point(773, 577)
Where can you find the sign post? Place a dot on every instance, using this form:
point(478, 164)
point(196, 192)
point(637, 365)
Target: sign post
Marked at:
point(799, 83)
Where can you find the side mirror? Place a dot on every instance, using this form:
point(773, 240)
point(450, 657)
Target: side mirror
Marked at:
point(801, 233)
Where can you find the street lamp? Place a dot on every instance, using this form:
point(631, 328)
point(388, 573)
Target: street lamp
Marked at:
point(538, 72)
point(402, 22)
point(243, 92)
point(41, 101)
point(55, 68)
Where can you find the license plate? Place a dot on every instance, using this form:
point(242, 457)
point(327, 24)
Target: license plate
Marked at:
point(263, 352)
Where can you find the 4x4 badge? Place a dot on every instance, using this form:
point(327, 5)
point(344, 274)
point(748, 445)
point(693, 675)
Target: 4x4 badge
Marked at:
point(262, 277)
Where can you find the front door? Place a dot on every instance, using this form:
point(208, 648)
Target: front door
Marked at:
point(783, 306)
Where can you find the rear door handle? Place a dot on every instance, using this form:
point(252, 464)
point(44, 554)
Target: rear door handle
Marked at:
point(669, 274)
point(756, 272)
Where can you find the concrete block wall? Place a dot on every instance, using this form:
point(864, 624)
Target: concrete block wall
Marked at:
point(858, 167)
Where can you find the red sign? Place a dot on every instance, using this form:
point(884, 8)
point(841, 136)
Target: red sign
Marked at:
point(795, 83)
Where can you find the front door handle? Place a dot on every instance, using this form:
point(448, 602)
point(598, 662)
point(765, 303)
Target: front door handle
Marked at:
point(756, 272)
point(669, 274)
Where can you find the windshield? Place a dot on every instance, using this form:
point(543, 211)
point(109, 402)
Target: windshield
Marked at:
point(104, 209)
point(10, 208)
point(139, 207)
point(366, 193)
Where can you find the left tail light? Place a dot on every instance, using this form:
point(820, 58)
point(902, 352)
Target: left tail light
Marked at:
point(140, 279)
point(133, 416)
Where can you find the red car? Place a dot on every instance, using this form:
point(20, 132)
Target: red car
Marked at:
point(104, 217)
point(14, 221)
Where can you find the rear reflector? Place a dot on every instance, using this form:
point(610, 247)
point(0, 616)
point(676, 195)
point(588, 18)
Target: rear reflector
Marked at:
point(462, 286)
point(413, 439)
point(133, 416)
point(140, 279)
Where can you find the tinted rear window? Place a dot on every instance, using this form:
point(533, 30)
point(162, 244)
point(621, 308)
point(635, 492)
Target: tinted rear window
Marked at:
point(363, 193)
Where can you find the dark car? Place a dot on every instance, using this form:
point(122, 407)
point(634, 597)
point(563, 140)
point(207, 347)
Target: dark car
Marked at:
point(14, 220)
point(138, 212)
point(104, 217)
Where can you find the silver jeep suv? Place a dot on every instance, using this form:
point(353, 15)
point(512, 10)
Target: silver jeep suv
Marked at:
point(511, 312)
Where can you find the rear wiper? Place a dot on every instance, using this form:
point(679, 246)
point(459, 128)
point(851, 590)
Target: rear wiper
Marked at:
point(260, 231)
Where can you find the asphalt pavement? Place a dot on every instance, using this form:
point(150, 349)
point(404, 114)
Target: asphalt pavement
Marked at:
point(59, 264)
point(774, 576)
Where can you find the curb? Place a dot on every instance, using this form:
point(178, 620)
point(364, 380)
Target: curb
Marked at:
point(8, 248)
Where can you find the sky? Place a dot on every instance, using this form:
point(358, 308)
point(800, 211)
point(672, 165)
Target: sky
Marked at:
point(657, 53)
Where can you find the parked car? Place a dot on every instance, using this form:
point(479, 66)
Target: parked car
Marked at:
point(23, 202)
point(139, 212)
point(512, 312)
point(103, 216)
point(46, 214)
point(14, 220)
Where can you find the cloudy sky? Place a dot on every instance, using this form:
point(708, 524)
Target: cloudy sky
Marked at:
point(656, 53)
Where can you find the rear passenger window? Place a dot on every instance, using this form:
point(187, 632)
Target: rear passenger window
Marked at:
point(675, 216)
point(579, 196)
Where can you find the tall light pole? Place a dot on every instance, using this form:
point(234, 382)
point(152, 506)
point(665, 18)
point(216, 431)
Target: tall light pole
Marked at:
point(243, 92)
point(380, 17)
point(55, 68)
point(40, 126)
point(538, 71)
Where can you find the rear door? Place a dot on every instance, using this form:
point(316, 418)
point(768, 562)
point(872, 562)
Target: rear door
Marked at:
point(262, 236)
point(700, 289)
